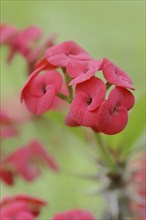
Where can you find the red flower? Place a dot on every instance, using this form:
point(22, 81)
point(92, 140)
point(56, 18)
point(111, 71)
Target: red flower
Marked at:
point(43, 64)
point(24, 162)
point(7, 33)
point(40, 91)
point(20, 207)
point(81, 71)
point(115, 75)
point(38, 52)
point(113, 113)
point(20, 41)
point(75, 214)
point(60, 55)
point(88, 98)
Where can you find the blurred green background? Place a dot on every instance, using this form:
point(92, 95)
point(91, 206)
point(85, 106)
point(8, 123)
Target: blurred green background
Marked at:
point(112, 29)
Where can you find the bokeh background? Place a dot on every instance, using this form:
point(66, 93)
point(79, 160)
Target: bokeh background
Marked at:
point(112, 29)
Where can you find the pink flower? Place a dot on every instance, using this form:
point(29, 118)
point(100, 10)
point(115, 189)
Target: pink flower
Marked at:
point(7, 126)
point(21, 41)
point(38, 52)
point(25, 42)
point(24, 162)
point(81, 71)
point(43, 64)
point(88, 98)
point(113, 113)
point(74, 214)
point(62, 54)
point(115, 75)
point(7, 33)
point(20, 207)
point(40, 91)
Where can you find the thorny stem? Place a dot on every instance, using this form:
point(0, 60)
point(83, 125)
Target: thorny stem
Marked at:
point(105, 153)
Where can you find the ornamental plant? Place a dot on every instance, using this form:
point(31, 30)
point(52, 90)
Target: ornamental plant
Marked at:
point(97, 96)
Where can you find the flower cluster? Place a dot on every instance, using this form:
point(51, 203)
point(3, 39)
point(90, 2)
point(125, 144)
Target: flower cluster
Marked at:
point(24, 42)
point(91, 105)
point(25, 161)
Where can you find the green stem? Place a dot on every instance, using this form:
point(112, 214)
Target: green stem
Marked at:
point(67, 79)
point(64, 97)
point(105, 153)
point(108, 85)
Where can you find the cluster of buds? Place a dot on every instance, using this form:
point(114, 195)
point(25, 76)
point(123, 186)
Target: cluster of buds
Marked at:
point(91, 105)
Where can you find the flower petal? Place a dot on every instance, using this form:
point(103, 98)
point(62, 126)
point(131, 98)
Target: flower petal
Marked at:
point(115, 75)
point(39, 105)
point(80, 112)
point(120, 97)
point(94, 89)
point(112, 123)
point(70, 121)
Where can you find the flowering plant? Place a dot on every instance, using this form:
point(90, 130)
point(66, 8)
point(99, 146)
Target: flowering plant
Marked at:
point(99, 97)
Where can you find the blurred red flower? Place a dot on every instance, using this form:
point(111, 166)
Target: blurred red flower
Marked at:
point(25, 162)
point(75, 214)
point(20, 207)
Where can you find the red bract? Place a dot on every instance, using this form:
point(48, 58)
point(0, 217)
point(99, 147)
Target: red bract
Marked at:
point(40, 91)
point(7, 126)
point(81, 71)
point(113, 113)
point(75, 214)
point(88, 98)
point(43, 65)
point(20, 207)
point(115, 75)
point(62, 54)
point(24, 162)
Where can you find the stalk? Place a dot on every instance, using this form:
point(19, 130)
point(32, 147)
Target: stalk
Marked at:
point(106, 154)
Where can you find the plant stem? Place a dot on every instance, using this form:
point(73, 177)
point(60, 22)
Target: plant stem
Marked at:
point(105, 153)
point(67, 79)
point(64, 97)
